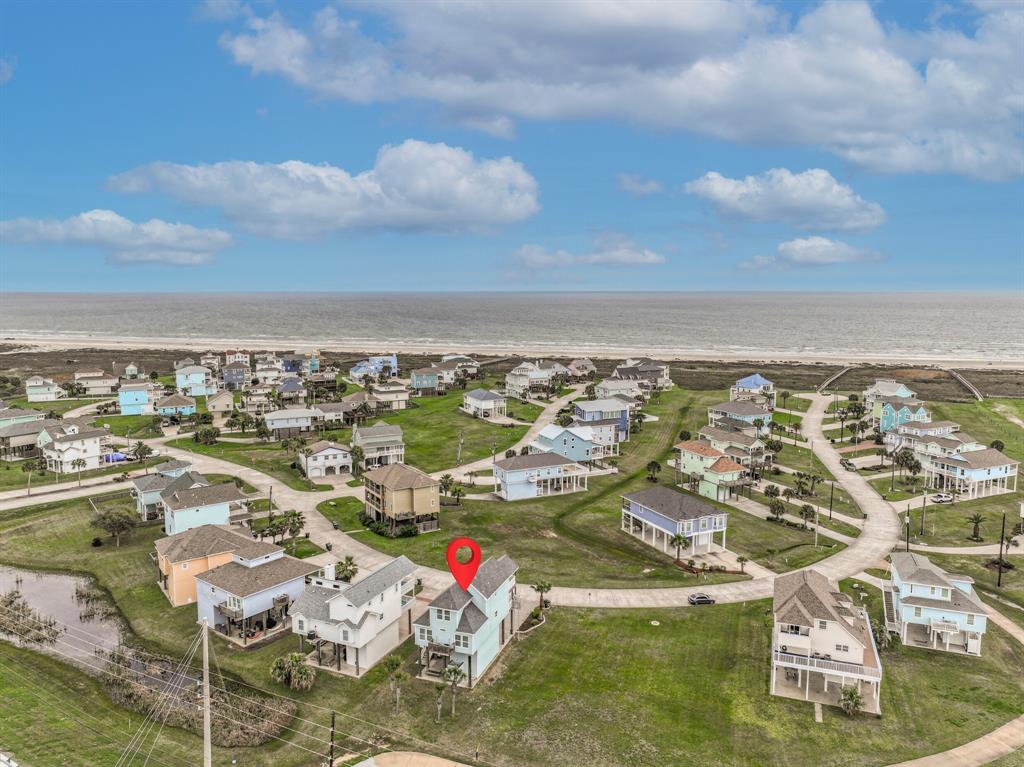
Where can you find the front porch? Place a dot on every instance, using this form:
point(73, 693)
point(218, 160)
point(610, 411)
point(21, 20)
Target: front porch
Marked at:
point(966, 489)
point(248, 630)
point(941, 635)
point(824, 687)
point(566, 483)
point(701, 542)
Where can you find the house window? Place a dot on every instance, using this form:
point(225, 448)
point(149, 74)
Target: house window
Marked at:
point(932, 591)
point(462, 641)
point(443, 615)
point(822, 625)
point(344, 635)
point(842, 648)
point(970, 619)
point(234, 602)
point(917, 612)
point(184, 565)
point(300, 624)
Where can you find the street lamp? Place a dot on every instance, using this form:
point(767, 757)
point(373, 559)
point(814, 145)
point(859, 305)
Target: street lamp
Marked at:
point(907, 519)
point(831, 496)
point(924, 503)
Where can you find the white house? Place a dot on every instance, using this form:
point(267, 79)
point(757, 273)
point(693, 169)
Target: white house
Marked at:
point(651, 374)
point(821, 642)
point(237, 356)
point(657, 514)
point(96, 383)
point(537, 475)
point(391, 395)
point(928, 607)
point(268, 374)
point(755, 416)
point(484, 404)
point(614, 387)
point(886, 387)
point(360, 622)
point(326, 458)
point(973, 474)
point(382, 444)
point(288, 423)
point(754, 388)
point(39, 389)
point(65, 443)
point(527, 377)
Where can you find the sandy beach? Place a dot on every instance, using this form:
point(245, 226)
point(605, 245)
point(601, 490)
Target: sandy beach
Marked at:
point(570, 348)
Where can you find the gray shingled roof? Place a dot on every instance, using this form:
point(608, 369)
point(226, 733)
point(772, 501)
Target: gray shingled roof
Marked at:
point(741, 408)
point(176, 400)
point(494, 572)
point(312, 603)
point(379, 581)
point(206, 495)
point(672, 504)
point(533, 461)
point(242, 581)
point(398, 476)
point(452, 598)
point(472, 620)
point(211, 539)
point(979, 459)
point(806, 596)
point(485, 395)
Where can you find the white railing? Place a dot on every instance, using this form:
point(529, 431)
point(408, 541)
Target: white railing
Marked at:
point(820, 664)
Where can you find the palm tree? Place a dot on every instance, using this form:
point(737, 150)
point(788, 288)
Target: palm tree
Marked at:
point(233, 422)
point(439, 688)
point(977, 521)
point(787, 494)
point(457, 493)
point(542, 588)
point(447, 483)
point(141, 451)
point(306, 452)
point(653, 467)
point(806, 513)
point(393, 667)
point(795, 427)
point(679, 542)
point(293, 522)
point(742, 562)
point(881, 453)
point(785, 396)
point(346, 569)
point(79, 464)
point(454, 675)
point(771, 491)
point(770, 553)
point(685, 436)
point(814, 479)
point(776, 508)
point(850, 700)
point(29, 467)
point(291, 670)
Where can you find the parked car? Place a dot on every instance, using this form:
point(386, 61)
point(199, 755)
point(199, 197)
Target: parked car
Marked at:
point(701, 599)
point(847, 464)
point(942, 498)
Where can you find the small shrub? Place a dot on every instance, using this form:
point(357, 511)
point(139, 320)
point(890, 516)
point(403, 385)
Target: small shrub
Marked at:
point(96, 542)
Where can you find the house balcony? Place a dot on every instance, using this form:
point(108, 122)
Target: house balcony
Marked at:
point(231, 613)
point(792, 641)
point(825, 666)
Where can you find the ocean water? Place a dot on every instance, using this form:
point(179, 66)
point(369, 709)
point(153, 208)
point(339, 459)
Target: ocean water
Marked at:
point(941, 326)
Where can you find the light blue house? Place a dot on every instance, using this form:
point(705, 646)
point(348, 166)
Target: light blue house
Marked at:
point(195, 381)
point(469, 627)
point(605, 411)
point(374, 366)
point(929, 607)
point(136, 398)
point(176, 405)
point(537, 475)
point(576, 443)
point(892, 412)
point(425, 381)
point(734, 414)
point(185, 508)
point(248, 599)
point(657, 514)
point(168, 476)
point(973, 473)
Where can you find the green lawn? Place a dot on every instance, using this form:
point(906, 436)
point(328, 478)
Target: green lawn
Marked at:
point(983, 422)
point(13, 478)
point(1006, 405)
point(801, 459)
point(794, 403)
point(985, 578)
point(905, 486)
point(218, 478)
point(841, 501)
point(60, 406)
point(267, 457)
point(523, 411)
point(343, 511)
point(134, 426)
point(794, 508)
point(946, 524)
point(787, 418)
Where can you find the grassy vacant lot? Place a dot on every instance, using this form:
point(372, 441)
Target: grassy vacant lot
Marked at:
point(794, 403)
point(267, 457)
point(787, 418)
point(60, 406)
point(134, 426)
point(946, 524)
point(801, 459)
point(794, 509)
point(905, 486)
point(13, 478)
point(841, 501)
point(983, 422)
point(343, 511)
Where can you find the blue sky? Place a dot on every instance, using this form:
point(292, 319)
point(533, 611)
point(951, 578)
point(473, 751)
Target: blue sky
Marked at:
point(359, 146)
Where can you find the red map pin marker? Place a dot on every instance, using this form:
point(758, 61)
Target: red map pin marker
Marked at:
point(464, 572)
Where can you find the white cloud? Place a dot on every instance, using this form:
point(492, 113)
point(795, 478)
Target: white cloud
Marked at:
point(6, 69)
point(412, 186)
point(812, 252)
point(884, 98)
point(125, 242)
point(611, 249)
point(634, 184)
point(809, 200)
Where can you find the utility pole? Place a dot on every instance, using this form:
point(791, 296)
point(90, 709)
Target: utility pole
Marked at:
point(330, 753)
point(831, 497)
point(1002, 540)
point(816, 525)
point(207, 740)
point(924, 503)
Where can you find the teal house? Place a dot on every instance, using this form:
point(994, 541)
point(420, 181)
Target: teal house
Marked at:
point(892, 412)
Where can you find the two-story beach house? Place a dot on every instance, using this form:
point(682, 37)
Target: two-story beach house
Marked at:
point(525, 379)
point(651, 374)
point(382, 444)
point(67, 443)
point(928, 607)
point(710, 471)
point(973, 473)
point(582, 368)
point(398, 495)
point(886, 387)
point(39, 389)
point(577, 443)
point(360, 622)
point(755, 416)
point(747, 450)
point(615, 387)
point(325, 459)
point(754, 388)
point(183, 508)
point(167, 476)
point(237, 355)
point(221, 403)
point(235, 376)
point(537, 475)
point(374, 367)
point(18, 440)
point(889, 413)
point(291, 391)
point(195, 380)
point(390, 395)
point(657, 514)
point(821, 642)
point(293, 421)
point(9, 416)
point(426, 382)
point(468, 628)
point(931, 439)
point(96, 382)
point(137, 398)
point(483, 403)
point(599, 412)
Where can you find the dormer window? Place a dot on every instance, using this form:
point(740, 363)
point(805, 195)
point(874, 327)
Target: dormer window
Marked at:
point(822, 625)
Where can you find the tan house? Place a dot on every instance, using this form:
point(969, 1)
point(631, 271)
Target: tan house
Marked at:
point(391, 395)
point(397, 494)
point(183, 556)
point(221, 403)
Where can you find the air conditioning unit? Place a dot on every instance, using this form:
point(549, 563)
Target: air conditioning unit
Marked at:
point(784, 648)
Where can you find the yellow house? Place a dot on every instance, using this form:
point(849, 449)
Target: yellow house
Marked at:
point(397, 494)
point(183, 556)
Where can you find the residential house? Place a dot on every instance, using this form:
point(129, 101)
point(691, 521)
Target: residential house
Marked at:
point(322, 384)
point(210, 360)
point(183, 508)
point(232, 356)
point(754, 388)
point(930, 439)
point(257, 400)
point(821, 642)
point(137, 398)
point(537, 475)
point(248, 598)
point(578, 443)
point(928, 607)
point(360, 622)
point(9, 416)
point(221, 403)
point(483, 403)
point(973, 474)
point(268, 374)
point(886, 388)
point(39, 389)
point(427, 382)
point(128, 371)
point(382, 444)
point(177, 405)
point(613, 387)
point(326, 458)
point(889, 413)
point(235, 375)
point(750, 414)
point(299, 363)
point(581, 369)
point(184, 363)
point(291, 390)
point(168, 476)
point(183, 556)
point(527, 378)
point(657, 514)
point(390, 395)
point(18, 440)
point(398, 495)
point(374, 367)
point(195, 380)
point(67, 442)
point(710, 471)
point(292, 422)
point(597, 411)
point(746, 449)
point(96, 383)
point(468, 628)
point(651, 374)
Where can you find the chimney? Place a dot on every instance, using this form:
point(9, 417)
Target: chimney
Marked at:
point(329, 572)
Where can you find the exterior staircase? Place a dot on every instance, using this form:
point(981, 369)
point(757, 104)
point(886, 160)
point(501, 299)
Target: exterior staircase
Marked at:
point(889, 610)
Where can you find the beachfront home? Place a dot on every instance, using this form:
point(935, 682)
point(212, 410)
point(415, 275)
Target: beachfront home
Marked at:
point(184, 507)
point(382, 444)
point(128, 371)
point(210, 360)
point(268, 374)
point(973, 474)
point(755, 417)
point(578, 443)
point(710, 471)
point(390, 395)
point(821, 642)
point(360, 622)
point(463, 366)
point(886, 387)
point(184, 363)
point(221, 403)
point(240, 355)
point(168, 476)
point(615, 387)
point(609, 411)
point(195, 380)
point(657, 514)
point(67, 443)
point(747, 450)
point(754, 388)
point(292, 422)
point(235, 375)
point(96, 383)
point(527, 378)
point(928, 607)
point(889, 413)
point(39, 389)
point(398, 495)
point(468, 628)
point(301, 363)
point(537, 475)
point(177, 405)
point(581, 369)
point(137, 398)
point(181, 557)
point(650, 374)
point(326, 458)
point(373, 368)
point(483, 403)
point(248, 598)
